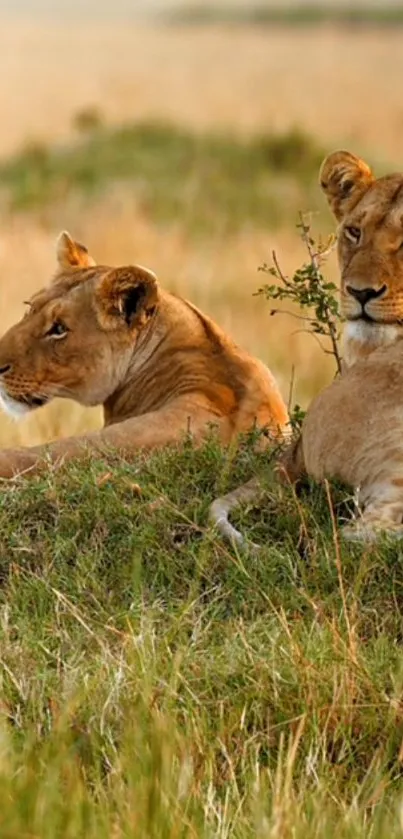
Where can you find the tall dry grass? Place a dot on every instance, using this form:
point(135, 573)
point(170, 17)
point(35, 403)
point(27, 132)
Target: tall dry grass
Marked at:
point(337, 84)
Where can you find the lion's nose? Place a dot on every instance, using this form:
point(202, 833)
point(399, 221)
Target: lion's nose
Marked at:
point(5, 369)
point(363, 295)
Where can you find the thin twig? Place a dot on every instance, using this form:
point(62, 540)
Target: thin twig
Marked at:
point(292, 314)
point(315, 260)
point(315, 336)
point(291, 388)
point(280, 274)
point(339, 568)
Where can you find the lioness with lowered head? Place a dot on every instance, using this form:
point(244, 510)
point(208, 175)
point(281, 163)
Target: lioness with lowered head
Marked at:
point(353, 430)
point(114, 337)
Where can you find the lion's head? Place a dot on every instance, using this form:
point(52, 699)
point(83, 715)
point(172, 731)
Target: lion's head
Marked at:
point(78, 335)
point(370, 250)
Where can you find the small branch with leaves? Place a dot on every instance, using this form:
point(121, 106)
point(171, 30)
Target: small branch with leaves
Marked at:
point(309, 290)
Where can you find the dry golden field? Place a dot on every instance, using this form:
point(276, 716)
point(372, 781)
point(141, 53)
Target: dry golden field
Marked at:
point(339, 86)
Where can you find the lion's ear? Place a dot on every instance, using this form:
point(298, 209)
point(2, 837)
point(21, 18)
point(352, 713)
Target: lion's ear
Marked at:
point(127, 294)
point(71, 254)
point(344, 179)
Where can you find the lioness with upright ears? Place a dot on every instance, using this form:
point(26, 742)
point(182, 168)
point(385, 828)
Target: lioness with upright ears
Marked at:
point(353, 430)
point(113, 337)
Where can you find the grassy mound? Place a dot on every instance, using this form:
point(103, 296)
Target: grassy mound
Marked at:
point(157, 684)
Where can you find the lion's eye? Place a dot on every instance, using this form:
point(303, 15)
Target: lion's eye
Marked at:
point(57, 330)
point(353, 234)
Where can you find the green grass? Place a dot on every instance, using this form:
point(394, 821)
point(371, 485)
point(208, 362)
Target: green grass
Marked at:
point(305, 14)
point(157, 684)
point(209, 181)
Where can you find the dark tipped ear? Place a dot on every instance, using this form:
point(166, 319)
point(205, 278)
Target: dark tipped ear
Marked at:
point(344, 179)
point(127, 294)
point(71, 254)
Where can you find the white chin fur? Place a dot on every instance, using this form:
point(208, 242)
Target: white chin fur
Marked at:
point(10, 406)
point(371, 333)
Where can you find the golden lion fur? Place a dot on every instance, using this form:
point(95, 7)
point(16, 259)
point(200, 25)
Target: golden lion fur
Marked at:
point(353, 430)
point(113, 337)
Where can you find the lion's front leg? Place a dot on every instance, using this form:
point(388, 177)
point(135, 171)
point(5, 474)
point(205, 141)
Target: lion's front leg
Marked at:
point(26, 462)
point(150, 431)
point(18, 462)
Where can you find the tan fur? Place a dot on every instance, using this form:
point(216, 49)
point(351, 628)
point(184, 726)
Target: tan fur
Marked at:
point(344, 425)
point(370, 251)
point(159, 367)
point(353, 431)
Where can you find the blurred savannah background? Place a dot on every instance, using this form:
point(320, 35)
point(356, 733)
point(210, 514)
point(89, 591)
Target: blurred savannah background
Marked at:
point(186, 137)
